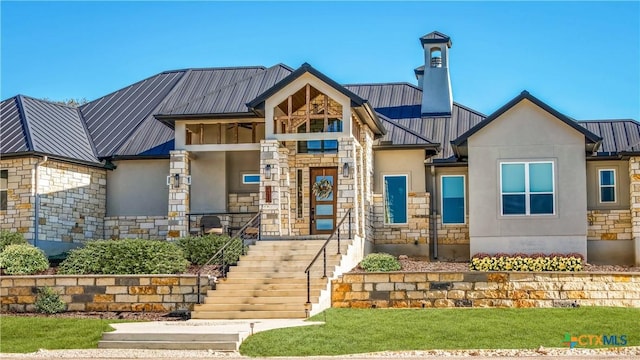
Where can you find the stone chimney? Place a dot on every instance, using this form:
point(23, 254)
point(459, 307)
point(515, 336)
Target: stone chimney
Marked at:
point(433, 76)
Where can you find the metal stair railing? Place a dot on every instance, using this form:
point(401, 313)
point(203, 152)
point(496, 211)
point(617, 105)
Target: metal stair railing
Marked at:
point(236, 244)
point(323, 251)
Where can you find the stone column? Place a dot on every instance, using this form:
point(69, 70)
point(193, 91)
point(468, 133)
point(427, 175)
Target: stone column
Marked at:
point(348, 186)
point(634, 186)
point(178, 195)
point(270, 206)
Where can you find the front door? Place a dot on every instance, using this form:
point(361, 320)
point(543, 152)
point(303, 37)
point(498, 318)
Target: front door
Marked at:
point(323, 200)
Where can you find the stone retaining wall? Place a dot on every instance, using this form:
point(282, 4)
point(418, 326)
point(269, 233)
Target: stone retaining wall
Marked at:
point(485, 289)
point(154, 293)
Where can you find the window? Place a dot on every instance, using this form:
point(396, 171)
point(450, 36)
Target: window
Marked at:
point(527, 188)
point(4, 179)
point(452, 199)
point(250, 179)
point(320, 146)
point(395, 199)
point(607, 185)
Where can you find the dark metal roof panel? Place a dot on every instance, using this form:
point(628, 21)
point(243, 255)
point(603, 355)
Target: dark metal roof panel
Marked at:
point(149, 135)
point(232, 97)
point(617, 135)
point(114, 117)
point(57, 130)
point(200, 82)
point(13, 135)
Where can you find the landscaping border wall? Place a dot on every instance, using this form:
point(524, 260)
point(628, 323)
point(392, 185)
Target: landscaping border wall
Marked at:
point(152, 293)
point(485, 289)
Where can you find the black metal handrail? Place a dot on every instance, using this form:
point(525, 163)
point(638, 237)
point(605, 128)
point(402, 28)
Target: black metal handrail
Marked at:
point(323, 250)
point(253, 224)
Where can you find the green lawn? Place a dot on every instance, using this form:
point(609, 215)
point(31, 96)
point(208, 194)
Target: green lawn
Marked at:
point(29, 334)
point(350, 331)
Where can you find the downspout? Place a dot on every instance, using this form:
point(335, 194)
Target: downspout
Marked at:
point(434, 222)
point(36, 215)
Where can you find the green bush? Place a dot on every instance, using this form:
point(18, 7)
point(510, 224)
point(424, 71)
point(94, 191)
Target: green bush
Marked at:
point(199, 249)
point(23, 259)
point(48, 301)
point(523, 262)
point(380, 262)
point(130, 256)
point(11, 238)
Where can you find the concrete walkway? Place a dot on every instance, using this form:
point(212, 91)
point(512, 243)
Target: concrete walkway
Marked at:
point(242, 327)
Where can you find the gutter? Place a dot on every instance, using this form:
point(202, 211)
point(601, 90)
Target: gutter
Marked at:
point(36, 215)
point(433, 212)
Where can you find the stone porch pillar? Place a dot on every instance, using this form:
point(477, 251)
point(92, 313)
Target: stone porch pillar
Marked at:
point(348, 187)
point(179, 164)
point(270, 194)
point(634, 186)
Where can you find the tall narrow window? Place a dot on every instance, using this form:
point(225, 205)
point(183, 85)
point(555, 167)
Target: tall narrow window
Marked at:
point(299, 193)
point(607, 185)
point(527, 188)
point(395, 199)
point(452, 199)
point(4, 183)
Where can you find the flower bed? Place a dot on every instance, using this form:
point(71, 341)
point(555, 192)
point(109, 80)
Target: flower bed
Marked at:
point(524, 262)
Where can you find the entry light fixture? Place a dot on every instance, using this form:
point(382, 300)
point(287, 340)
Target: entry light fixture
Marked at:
point(267, 172)
point(176, 180)
point(346, 171)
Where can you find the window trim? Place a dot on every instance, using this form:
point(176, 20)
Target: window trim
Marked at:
point(384, 198)
point(527, 192)
point(464, 198)
point(244, 182)
point(614, 186)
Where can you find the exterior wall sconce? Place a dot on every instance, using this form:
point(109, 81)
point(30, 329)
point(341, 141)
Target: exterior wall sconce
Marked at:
point(174, 180)
point(346, 171)
point(267, 172)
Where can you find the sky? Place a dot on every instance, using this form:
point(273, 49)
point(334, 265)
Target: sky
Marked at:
point(582, 58)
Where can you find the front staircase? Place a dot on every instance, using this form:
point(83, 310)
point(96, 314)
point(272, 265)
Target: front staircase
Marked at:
point(270, 281)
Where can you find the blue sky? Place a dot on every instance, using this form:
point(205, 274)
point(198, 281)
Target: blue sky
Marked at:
point(582, 58)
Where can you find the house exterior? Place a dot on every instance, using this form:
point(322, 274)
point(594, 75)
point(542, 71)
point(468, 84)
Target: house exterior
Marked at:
point(409, 170)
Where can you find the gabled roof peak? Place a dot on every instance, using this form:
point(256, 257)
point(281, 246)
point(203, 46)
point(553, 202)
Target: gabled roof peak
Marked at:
point(435, 37)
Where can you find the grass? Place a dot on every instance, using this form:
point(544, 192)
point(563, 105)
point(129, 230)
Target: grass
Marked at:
point(352, 331)
point(29, 334)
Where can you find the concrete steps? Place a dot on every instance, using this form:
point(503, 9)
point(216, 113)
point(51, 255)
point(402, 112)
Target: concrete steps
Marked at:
point(269, 282)
point(170, 341)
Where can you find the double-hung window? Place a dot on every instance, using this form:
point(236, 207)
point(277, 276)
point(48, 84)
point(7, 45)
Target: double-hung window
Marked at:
point(527, 188)
point(395, 199)
point(452, 199)
point(607, 185)
point(4, 179)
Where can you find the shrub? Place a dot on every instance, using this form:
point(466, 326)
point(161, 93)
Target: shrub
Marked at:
point(130, 256)
point(199, 249)
point(523, 262)
point(23, 259)
point(380, 262)
point(11, 238)
point(48, 301)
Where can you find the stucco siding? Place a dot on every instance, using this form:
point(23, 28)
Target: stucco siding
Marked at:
point(208, 182)
point(527, 133)
point(622, 190)
point(138, 188)
point(398, 162)
point(239, 163)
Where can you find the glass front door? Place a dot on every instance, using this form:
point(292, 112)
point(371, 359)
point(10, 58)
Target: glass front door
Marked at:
point(323, 200)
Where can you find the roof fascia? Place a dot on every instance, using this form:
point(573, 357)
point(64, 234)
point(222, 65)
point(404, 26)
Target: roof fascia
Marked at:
point(55, 157)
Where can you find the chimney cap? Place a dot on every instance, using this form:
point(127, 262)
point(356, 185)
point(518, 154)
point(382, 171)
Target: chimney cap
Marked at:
point(435, 37)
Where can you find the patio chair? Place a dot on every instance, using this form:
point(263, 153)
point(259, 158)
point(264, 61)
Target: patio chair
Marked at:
point(210, 224)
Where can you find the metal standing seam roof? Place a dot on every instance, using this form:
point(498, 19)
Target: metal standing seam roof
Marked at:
point(13, 134)
point(617, 135)
point(401, 103)
point(230, 98)
point(49, 128)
